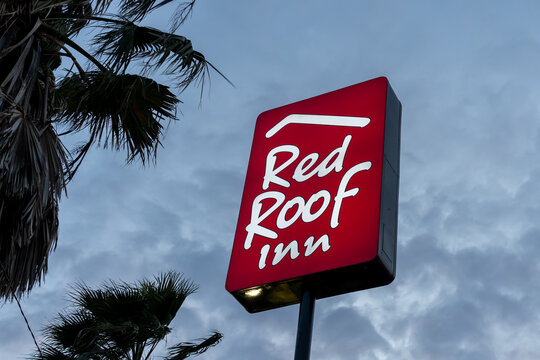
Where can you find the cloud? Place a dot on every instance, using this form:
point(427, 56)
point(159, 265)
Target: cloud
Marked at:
point(342, 333)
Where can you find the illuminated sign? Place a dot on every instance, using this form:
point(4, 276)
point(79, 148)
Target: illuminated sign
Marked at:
point(319, 206)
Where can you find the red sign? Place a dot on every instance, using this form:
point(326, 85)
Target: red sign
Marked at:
point(319, 207)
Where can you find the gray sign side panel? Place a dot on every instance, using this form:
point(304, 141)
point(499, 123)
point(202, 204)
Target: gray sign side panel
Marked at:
point(390, 182)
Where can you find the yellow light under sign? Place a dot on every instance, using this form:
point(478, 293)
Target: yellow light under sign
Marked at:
point(253, 292)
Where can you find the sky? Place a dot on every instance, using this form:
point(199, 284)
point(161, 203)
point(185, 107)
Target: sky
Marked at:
point(466, 287)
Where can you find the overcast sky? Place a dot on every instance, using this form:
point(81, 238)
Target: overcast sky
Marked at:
point(467, 283)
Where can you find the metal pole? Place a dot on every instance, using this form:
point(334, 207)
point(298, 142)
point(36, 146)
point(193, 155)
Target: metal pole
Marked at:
point(305, 326)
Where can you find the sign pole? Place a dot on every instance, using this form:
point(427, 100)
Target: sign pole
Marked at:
point(305, 325)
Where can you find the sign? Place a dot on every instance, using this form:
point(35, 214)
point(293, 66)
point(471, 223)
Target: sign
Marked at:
point(319, 207)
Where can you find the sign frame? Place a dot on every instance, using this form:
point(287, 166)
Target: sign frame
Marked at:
point(380, 268)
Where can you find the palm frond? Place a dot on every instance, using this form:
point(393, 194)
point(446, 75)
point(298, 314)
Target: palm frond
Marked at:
point(121, 321)
point(67, 16)
point(25, 241)
point(124, 42)
point(166, 294)
point(136, 10)
point(81, 11)
point(75, 331)
point(184, 350)
point(32, 163)
point(8, 6)
point(181, 14)
point(120, 111)
point(119, 315)
point(50, 353)
point(101, 6)
point(61, 38)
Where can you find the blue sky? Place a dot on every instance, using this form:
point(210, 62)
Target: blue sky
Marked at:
point(466, 287)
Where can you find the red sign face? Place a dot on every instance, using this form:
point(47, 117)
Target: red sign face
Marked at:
point(312, 195)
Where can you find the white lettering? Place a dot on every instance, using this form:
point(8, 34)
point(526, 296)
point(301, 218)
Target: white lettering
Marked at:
point(324, 167)
point(283, 223)
point(307, 216)
point(256, 217)
point(323, 242)
point(270, 174)
point(300, 171)
point(342, 193)
point(264, 253)
point(280, 253)
point(290, 211)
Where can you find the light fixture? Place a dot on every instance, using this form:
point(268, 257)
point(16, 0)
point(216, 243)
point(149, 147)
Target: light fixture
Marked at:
point(253, 292)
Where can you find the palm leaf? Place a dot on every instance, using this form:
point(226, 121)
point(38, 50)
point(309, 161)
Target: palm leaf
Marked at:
point(122, 321)
point(32, 162)
point(120, 111)
point(51, 353)
point(75, 331)
point(126, 41)
point(101, 6)
point(26, 241)
point(136, 10)
point(166, 294)
point(183, 350)
point(68, 17)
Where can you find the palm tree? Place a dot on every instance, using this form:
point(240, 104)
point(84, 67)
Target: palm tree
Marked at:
point(41, 102)
point(122, 321)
